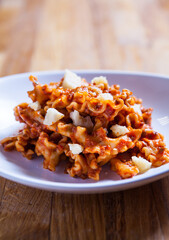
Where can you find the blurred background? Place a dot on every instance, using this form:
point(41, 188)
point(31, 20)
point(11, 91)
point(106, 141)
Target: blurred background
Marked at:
point(84, 34)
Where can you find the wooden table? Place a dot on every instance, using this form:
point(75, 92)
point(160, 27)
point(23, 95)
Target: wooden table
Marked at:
point(84, 34)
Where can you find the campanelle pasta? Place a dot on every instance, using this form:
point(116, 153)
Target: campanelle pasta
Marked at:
point(87, 125)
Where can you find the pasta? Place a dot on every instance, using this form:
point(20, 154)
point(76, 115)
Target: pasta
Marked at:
point(87, 125)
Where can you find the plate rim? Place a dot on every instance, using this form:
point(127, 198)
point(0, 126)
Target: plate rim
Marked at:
point(85, 187)
point(89, 71)
point(122, 184)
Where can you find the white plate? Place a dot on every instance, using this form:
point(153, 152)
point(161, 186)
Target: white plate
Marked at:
point(153, 89)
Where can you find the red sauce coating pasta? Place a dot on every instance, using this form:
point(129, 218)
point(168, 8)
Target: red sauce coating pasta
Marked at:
point(96, 104)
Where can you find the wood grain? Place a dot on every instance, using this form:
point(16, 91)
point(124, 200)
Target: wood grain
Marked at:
point(22, 34)
point(88, 34)
point(81, 215)
point(24, 212)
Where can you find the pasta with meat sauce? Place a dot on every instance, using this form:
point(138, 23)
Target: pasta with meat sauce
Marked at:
point(87, 125)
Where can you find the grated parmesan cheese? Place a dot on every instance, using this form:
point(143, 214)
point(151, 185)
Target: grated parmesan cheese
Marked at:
point(71, 80)
point(119, 130)
point(52, 116)
point(75, 148)
point(105, 96)
point(35, 106)
point(81, 121)
point(142, 164)
point(137, 108)
point(98, 80)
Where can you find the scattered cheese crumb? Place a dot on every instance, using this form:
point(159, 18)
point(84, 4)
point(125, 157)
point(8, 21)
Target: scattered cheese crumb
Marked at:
point(71, 80)
point(81, 121)
point(119, 130)
point(98, 80)
point(137, 108)
point(75, 148)
point(52, 116)
point(35, 105)
point(105, 96)
point(142, 164)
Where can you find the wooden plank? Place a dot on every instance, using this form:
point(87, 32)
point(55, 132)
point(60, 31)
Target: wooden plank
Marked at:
point(141, 215)
point(22, 33)
point(132, 215)
point(114, 215)
point(115, 23)
point(67, 36)
point(8, 15)
point(77, 217)
point(24, 212)
point(154, 18)
point(2, 187)
point(161, 198)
